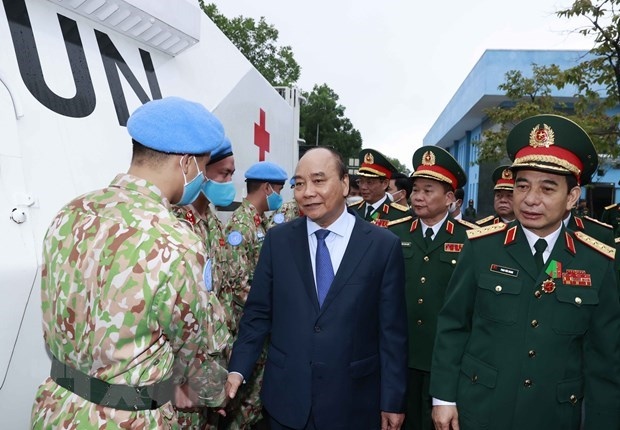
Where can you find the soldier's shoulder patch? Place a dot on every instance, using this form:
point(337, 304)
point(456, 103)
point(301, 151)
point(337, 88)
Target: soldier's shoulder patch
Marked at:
point(610, 207)
point(467, 224)
point(606, 250)
point(234, 238)
point(485, 219)
point(278, 218)
point(594, 220)
point(399, 207)
point(398, 221)
point(485, 231)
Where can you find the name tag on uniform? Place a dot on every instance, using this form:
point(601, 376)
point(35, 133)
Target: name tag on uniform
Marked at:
point(504, 270)
point(406, 244)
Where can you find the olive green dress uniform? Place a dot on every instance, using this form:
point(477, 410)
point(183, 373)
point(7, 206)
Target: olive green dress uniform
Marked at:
point(592, 227)
point(504, 180)
point(519, 347)
point(427, 272)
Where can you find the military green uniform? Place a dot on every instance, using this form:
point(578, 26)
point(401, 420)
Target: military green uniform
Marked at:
point(245, 232)
point(611, 216)
point(150, 316)
point(515, 354)
point(211, 230)
point(592, 227)
point(388, 211)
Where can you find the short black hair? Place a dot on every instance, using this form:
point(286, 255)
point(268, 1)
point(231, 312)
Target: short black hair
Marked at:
point(404, 183)
point(459, 193)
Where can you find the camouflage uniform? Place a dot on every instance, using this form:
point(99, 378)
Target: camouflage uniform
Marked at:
point(124, 300)
point(245, 232)
point(288, 212)
point(211, 230)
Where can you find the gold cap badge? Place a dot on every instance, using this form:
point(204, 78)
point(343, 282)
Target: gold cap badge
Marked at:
point(369, 159)
point(542, 136)
point(428, 159)
point(507, 174)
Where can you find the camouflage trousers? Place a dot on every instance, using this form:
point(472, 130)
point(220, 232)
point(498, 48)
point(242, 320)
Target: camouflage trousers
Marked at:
point(198, 419)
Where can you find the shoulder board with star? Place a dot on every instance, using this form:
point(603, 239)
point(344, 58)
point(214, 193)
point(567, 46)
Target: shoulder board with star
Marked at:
point(398, 221)
point(485, 231)
point(399, 207)
point(611, 206)
point(467, 223)
point(606, 250)
point(485, 219)
point(601, 223)
point(355, 204)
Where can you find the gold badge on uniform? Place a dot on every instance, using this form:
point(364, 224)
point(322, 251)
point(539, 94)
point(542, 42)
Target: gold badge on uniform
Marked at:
point(506, 174)
point(548, 286)
point(554, 270)
point(542, 136)
point(428, 159)
point(369, 159)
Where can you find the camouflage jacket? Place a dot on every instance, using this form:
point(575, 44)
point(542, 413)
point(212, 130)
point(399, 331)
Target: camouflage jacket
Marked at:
point(245, 232)
point(124, 300)
point(288, 212)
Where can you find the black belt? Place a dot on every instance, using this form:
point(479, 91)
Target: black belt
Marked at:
point(123, 397)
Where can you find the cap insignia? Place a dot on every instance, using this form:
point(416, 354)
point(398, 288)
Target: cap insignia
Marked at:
point(542, 136)
point(507, 174)
point(369, 159)
point(428, 159)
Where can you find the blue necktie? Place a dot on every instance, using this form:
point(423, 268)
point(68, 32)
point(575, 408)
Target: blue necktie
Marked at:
point(324, 268)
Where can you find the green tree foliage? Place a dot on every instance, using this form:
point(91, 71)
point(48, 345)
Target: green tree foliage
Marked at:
point(257, 41)
point(323, 123)
point(596, 81)
point(399, 166)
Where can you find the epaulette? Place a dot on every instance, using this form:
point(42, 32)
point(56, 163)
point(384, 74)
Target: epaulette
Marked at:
point(468, 224)
point(601, 223)
point(611, 206)
point(485, 219)
point(399, 207)
point(350, 205)
point(399, 220)
point(485, 231)
point(606, 250)
point(617, 240)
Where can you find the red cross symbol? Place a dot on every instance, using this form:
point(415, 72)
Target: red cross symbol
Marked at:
point(261, 136)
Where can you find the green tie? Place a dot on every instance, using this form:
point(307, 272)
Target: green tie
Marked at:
point(540, 246)
point(428, 237)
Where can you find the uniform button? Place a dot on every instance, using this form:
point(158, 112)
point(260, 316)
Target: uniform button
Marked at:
point(573, 399)
point(426, 259)
point(317, 329)
point(531, 353)
point(527, 383)
point(453, 261)
point(498, 288)
point(420, 301)
point(537, 293)
point(578, 300)
point(534, 323)
point(156, 362)
point(419, 322)
point(474, 378)
point(423, 279)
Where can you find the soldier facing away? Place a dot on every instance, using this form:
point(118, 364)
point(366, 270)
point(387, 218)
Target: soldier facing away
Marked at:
point(126, 309)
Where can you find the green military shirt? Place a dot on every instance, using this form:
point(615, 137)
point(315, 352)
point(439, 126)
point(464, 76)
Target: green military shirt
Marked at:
point(519, 348)
point(124, 295)
point(427, 272)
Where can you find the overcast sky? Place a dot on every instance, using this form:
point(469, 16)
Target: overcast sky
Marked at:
point(396, 64)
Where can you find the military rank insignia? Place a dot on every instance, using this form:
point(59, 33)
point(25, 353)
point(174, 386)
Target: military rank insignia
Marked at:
point(189, 216)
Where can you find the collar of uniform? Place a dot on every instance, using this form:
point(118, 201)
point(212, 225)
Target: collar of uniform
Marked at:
point(533, 237)
point(376, 205)
point(435, 227)
point(338, 227)
point(142, 186)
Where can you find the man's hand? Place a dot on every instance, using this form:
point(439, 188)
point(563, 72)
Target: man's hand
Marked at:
point(184, 396)
point(391, 420)
point(233, 383)
point(446, 417)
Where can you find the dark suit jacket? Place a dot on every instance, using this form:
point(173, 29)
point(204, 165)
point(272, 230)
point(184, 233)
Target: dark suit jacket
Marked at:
point(345, 361)
point(514, 357)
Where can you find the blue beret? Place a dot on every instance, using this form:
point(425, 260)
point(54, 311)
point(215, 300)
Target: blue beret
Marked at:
point(222, 151)
point(267, 172)
point(176, 126)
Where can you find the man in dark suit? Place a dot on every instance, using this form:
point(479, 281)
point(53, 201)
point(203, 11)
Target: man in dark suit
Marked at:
point(337, 347)
point(529, 335)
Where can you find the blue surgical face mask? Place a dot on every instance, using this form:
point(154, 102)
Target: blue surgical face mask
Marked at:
point(274, 200)
point(191, 189)
point(219, 193)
